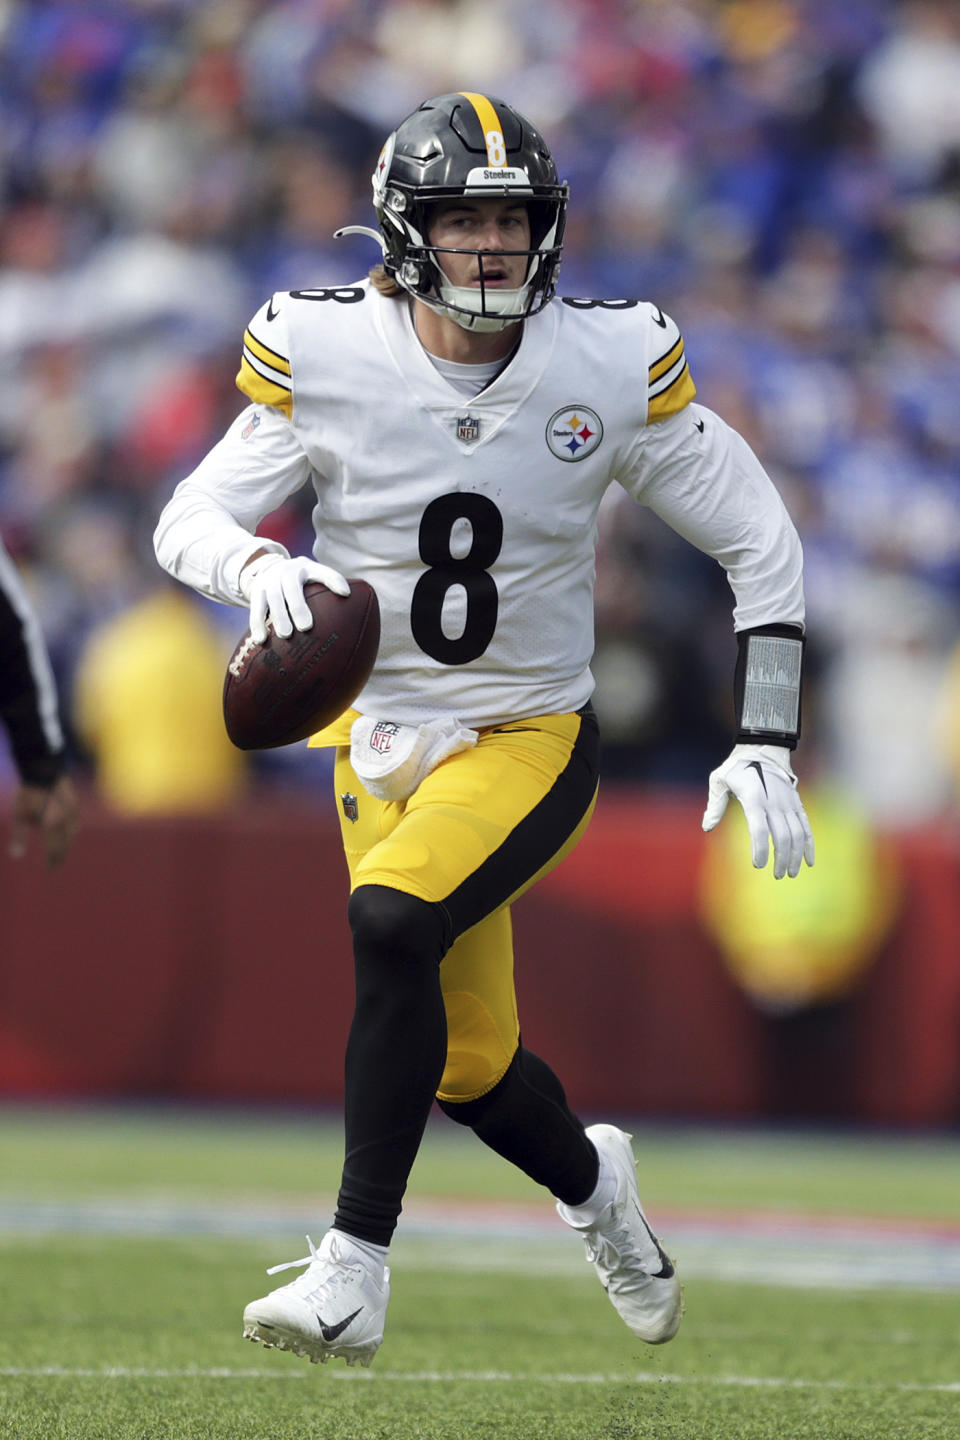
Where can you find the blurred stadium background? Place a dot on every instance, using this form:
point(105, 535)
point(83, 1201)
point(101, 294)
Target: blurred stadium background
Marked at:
point(783, 176)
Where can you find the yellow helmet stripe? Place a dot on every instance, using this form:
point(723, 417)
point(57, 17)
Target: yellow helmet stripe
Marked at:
point(490, 125)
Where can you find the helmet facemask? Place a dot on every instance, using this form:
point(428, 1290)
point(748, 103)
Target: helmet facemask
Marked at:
point(480, 307)
point(468, 147)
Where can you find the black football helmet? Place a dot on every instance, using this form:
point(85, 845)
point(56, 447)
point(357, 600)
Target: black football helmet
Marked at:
point(468, 145)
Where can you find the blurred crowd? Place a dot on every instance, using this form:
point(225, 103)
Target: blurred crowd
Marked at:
point(782, 176)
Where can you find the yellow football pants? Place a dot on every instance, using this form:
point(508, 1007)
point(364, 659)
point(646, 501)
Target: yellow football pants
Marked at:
point(477, 832)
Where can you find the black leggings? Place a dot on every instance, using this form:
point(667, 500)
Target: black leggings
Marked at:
point(395, 1058)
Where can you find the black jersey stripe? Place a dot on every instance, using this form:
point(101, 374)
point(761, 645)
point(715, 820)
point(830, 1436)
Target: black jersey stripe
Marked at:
point(667, 360)
point(263, 352)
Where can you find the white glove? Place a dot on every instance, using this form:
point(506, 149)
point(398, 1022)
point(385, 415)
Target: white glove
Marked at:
point(762, 779)
point(273, 586)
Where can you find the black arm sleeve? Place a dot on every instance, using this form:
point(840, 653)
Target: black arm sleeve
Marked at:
point(27, 700)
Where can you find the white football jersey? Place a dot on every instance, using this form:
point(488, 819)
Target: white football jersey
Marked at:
point(475, 521)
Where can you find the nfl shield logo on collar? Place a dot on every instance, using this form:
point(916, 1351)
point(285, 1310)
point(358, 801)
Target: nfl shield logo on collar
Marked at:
point(468, 428)
point(351, 807)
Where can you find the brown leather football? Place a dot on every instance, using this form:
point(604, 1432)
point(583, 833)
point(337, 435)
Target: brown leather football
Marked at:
point(284, 690)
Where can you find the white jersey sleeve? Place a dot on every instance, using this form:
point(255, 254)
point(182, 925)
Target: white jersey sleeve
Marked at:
point(207, 530)
point(705, 482)
point(265, 374)
point(669, 384)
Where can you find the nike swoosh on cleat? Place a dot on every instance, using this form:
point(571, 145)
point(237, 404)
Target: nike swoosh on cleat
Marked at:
point(666, 1269)
point(332, 1332)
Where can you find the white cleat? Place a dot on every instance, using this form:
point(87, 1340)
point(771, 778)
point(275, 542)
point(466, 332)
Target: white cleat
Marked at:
point(635, 1272)
point(335, 1308)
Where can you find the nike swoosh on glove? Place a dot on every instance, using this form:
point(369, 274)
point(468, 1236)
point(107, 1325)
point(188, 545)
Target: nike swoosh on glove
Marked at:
point(762, 779)
point(273, 586)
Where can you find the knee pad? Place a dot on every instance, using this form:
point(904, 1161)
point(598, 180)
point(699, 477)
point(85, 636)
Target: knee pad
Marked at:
point(391, 923)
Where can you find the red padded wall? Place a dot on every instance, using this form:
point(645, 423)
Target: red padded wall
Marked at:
point(209, 959)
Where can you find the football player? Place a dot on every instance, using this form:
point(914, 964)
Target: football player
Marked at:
point(459, 425)
point(45, 802)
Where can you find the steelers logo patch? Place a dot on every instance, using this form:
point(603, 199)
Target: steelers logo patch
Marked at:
point(574, 433)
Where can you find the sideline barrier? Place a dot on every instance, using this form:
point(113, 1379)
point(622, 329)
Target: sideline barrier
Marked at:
point(209, 959)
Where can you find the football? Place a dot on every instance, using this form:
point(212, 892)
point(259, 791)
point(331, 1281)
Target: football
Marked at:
point(284, 690)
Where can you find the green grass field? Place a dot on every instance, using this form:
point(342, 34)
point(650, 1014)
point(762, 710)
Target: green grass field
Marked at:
point(130, 1242)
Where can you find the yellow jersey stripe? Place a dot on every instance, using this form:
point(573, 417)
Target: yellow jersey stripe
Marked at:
point(264, 353)
point(268, 372)
point(656, 387)
point(666, 362)
point(490, 125)
point(262, 391)
point(678, 394)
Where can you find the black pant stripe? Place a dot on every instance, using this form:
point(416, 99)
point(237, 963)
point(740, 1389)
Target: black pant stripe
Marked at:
point(537, 838)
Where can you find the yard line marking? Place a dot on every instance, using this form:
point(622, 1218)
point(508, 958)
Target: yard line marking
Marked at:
point(640, 1377)
point(752, 1248)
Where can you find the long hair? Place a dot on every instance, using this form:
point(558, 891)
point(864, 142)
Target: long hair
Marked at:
point(384, 283)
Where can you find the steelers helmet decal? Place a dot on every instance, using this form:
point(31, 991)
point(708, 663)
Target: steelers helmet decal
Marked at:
point(466, 144)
